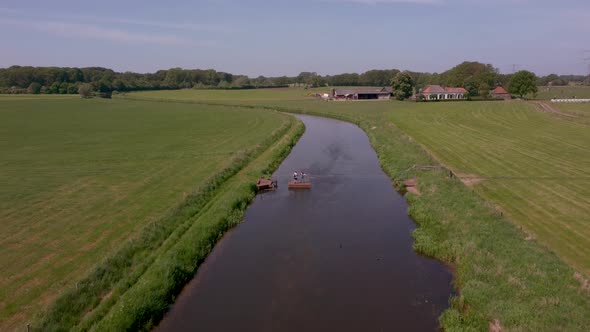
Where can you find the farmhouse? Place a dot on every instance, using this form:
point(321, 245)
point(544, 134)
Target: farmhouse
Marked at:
point(362, 93)
point(437, 92)
point(500, 93)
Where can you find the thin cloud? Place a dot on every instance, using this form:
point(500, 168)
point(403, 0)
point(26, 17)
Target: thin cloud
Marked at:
point(432, 2)
point(377, 2)
point(75, 18)
point(9, 10)
point(90, 31)
point(165, 25)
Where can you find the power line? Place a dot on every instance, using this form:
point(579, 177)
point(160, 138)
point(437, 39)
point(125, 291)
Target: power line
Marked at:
point(584, 52)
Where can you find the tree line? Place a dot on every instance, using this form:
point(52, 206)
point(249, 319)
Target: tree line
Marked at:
point(59, 80)
point(477, 78)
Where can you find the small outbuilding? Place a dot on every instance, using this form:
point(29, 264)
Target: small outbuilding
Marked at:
point(500, 93)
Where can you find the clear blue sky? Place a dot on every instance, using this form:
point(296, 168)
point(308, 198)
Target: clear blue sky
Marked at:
point(270, 38)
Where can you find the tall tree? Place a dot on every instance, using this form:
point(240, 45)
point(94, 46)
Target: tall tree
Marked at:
point(346, 79)
point(403, 85)
point(241, 81)
point(34, 88)
point(469, 75)
point(547, 80)
point(306, 77)
point(103, 86)
point(54, 88)
point(523, 83)
point(484, 90)
point(377, 77)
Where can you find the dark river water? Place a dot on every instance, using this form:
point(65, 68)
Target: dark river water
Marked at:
point(337, 257)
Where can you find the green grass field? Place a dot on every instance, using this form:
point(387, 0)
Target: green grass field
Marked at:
point(532, 170)
point(231, 96)
point(549, 92)
point(579, 113)
point(534, 166)
point(80, 177)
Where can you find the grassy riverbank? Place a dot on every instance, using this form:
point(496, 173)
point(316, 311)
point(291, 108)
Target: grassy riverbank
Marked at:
point(534, 166)
point(107, 182)
point(148, 299)
point(506, 276)
point(169, 252)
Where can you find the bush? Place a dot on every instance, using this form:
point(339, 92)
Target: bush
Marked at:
point(85, 90)
point(34, 88)
point(72, 89)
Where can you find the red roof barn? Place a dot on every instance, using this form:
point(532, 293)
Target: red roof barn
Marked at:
point(500, 93)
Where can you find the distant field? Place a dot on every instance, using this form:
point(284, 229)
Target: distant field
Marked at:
point(294, 94)
point(249, 95)
point(549, 92)
point(533, 165)
point(577, 112)
point(80, 177)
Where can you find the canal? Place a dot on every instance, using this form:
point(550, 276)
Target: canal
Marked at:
point(336, 257)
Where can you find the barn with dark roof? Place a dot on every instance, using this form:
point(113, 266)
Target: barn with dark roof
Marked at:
point(362, 93)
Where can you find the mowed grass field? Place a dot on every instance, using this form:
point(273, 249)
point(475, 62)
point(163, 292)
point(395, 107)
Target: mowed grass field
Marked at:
point(524, 198)
point(231, 96)
point(534, 166)
point(78, 178)
point(549, 92)
point(576, 112)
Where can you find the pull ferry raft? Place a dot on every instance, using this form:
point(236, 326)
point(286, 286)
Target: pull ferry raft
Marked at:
point(300, 184)
point(300, 181)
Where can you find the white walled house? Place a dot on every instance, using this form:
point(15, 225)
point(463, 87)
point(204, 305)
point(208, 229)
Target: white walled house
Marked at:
point(437, 92)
